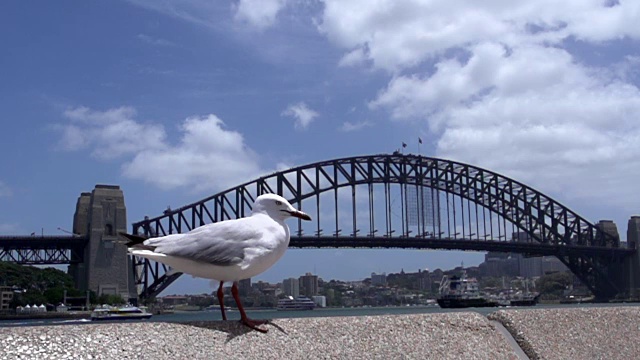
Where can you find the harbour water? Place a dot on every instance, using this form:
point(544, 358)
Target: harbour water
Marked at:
point(213, 315)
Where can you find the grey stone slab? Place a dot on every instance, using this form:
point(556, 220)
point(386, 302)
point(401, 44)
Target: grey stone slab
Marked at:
point(460, 335)
point(575, 333)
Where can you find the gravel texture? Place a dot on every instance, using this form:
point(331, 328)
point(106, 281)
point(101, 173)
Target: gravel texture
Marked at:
point(460, 335)
point(589, 333)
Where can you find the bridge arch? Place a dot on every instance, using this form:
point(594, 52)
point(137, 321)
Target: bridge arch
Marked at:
point(430, 191)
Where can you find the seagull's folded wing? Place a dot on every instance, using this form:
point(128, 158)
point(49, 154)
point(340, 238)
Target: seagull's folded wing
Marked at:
point(220, 244)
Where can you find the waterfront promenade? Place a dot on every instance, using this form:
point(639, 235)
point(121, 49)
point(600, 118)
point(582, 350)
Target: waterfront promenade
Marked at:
point(563, 333)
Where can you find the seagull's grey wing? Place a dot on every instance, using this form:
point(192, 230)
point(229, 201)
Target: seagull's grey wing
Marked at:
point(222, 243)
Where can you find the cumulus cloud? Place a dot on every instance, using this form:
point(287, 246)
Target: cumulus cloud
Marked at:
point(259, 14)
point(496, 83)
point(207, 155)
point(349, 126)
point(401, 34)
point(109, 134)
point(302, 114)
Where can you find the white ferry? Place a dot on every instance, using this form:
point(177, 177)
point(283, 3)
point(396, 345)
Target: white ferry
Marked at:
point(120, 313)
point(299, 303)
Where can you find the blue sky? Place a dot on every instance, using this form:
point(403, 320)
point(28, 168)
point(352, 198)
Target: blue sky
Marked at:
point(131, 92)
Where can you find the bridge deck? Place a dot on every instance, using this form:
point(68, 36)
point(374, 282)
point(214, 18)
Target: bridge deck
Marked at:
point(535, 249)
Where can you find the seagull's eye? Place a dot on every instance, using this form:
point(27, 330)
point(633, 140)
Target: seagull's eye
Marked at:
point(278, 203)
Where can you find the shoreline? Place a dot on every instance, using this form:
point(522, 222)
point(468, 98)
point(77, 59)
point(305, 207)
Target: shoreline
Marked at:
point(47, 315)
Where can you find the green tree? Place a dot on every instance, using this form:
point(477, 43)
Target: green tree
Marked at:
point(553, 285)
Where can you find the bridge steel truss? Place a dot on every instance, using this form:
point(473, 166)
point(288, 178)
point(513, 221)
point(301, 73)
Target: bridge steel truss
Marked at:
point(41, 250)
point(457, 207)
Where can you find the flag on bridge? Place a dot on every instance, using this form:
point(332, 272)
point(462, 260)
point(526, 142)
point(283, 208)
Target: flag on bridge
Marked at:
point(419, 140)
point(404, 145)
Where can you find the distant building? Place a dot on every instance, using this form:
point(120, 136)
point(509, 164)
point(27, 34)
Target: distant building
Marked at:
point(171, 300)
point(6, 296)
point(291, 287)
point(244, 286)
point(320, 300)
point(308, 284)
point(530, 266)
point(500, 264)
point(425, 282)
point(551, 264)
point(379, 279)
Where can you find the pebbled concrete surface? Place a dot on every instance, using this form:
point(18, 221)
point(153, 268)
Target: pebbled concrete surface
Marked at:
point(575, 333)
point(460, 335)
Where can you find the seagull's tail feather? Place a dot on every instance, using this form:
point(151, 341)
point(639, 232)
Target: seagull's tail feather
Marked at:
point(136, 242)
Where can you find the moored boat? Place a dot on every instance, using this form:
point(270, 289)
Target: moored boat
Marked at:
point(461, 292)
point(299, 303)
point(524, 299)
point(120, 313)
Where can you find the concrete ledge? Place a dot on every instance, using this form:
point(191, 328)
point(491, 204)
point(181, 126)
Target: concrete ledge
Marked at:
point(460, 335)
point(575, 333)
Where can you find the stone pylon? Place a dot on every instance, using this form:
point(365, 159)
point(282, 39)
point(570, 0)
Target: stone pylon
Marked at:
point(632, 264)
point(107, 268)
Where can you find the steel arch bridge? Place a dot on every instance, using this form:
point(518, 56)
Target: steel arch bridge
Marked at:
point(406, 201)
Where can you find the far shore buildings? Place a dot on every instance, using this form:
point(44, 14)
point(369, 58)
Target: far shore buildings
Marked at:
point(6, 296)
point(512, 264)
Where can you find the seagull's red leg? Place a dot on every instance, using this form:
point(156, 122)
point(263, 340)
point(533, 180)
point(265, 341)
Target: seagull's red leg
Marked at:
point(243, 316)
point(221, 300)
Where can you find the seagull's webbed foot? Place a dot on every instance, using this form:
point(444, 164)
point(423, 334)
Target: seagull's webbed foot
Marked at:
point(253, 324)
point(244, 319)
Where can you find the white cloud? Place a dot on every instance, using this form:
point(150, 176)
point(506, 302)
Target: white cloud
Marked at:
point(208, 156)
point(355, 57)
point(154, 41)
point(402, 34)
point(259, 14)
point(200, 12)
point(497, 85)
point(302, 114)
point(110, 134)
point(5, 190)
point(348, 126)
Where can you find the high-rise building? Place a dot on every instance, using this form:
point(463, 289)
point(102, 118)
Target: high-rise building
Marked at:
point(551, 264)
point(379, 279)
point(309, 284)
point(291, 287)
point(244, 286)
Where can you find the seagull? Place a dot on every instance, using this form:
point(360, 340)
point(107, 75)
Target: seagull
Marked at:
point(226, 251)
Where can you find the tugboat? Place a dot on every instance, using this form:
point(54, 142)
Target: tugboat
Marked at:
point(299, 303)
point(461, 292)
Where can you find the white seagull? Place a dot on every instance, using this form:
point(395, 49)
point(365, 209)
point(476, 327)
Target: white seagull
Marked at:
point(229, 250)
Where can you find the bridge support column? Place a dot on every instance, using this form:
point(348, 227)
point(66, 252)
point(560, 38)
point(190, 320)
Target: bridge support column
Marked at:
point(107, 268)
point(632, 263)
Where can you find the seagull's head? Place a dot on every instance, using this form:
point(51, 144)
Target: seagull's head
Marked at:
point(277, 207)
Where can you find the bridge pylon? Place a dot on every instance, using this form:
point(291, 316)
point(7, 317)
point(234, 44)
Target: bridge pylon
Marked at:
point(106, 269)
point(632, 263)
